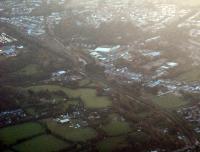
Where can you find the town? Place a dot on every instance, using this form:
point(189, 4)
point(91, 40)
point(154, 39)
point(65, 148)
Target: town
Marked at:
point(99, 76)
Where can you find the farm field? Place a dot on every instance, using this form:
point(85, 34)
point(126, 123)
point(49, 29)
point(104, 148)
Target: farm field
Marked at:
point(73, 134)
point(87, 95)
point(44, 143)
point(30, 69)
point(116, 127)
point(10, 135)
point(169, 101)
point(110, 144)
point(189, 76)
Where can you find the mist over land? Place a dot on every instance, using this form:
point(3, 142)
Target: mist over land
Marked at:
point(99, 75)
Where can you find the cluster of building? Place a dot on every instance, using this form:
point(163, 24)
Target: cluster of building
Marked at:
point(78, 117)
point(71, 121)
point(8, 45)
point(66, 76)
point(54, 18)
point(19, 15)
point(59, 2)
point(107, 56)
point(11, 117)
point(163, 70)
point(173, 85)
point(19, 7)
point(31, 25)
point(155, 18)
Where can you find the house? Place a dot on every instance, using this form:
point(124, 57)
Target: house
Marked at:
point(172, 64)
point(106, 49)
point(59, 73)
point(62, 121)
point(152, 54)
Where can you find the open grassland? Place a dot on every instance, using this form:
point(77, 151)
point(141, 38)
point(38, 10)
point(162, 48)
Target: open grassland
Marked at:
point(89, 97)
point(65, 105)
point(29, 70)
point(84, 82)
point(110, 144)
point(72, 134)
point(44, 143)
point(10, 135)
point(169, 101)
point(190, 75)
point(2, 57)
point(116, 127)
point(31, 111)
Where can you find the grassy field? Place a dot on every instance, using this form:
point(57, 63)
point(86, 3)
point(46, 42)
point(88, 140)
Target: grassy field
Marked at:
point(10, 135)
point(87, 95)
point(31, 111)
point(65, 105)
point(2, 57)
point(169, 101)
point(30, 69)
point(44, 143)
point(73, 134)
point(84, 82)
point(192, 75)
point(110, 144)
point(116, 127)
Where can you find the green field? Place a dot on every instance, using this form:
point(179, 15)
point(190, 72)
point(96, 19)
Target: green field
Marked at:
point(87, 95)
point(169, 101)
point(73, 134)
point(84, 82)
point(65, 105)
point(31, 111)
point(190, 75)
point(44, 143)
point(110, 144)
point(116, 127)
point(2, 57)
point(10, 135)
point(30, 69)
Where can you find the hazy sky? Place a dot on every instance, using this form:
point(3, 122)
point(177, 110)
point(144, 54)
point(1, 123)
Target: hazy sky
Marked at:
point(186, 2)
point(182, 2)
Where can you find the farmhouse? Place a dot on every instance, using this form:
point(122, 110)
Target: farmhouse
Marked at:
point(59, 73)
point(63, 119)
point(106, 49)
